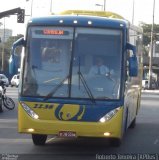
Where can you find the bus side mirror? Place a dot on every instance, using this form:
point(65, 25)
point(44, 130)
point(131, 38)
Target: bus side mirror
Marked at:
point(13, 60)
point(133, 64)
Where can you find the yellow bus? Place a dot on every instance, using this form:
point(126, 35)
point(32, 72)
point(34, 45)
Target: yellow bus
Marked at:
point(58, 95)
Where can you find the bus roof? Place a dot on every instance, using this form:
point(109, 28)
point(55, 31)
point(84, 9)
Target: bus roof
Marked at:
point(85, 18)
point(92, 13)
point(78, 20)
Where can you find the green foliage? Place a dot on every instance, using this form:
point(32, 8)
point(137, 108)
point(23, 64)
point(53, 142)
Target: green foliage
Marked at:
point(147, 33)
point(7, 50)
point(10, 41)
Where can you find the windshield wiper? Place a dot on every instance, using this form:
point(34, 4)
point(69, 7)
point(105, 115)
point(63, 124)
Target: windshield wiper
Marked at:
point(86, 86)
point(50, 94)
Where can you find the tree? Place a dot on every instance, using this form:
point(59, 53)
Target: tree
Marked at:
point(147, 36)
point(7, 50)
point(147, 33)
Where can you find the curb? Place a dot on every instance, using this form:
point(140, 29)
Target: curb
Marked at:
point(150, 91)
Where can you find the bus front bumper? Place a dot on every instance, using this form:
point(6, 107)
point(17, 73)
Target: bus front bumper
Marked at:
point(111, 128)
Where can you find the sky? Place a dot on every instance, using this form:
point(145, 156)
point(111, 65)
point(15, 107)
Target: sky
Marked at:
point(143, 10)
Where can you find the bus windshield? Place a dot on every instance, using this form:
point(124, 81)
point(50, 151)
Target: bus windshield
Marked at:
point(67, 62)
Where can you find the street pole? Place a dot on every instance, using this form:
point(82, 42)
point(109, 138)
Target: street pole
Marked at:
point(151, 49)
point(100, 6)
point(133, 12)
point(104, 5)
point(31, 7)
point(51, 7)
point(31, 13)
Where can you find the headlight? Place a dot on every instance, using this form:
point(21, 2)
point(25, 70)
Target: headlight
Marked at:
point(30, 112)
point(109, 115)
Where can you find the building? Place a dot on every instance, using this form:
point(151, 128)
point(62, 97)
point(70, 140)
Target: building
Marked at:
point(156, 49)
point(7, 33)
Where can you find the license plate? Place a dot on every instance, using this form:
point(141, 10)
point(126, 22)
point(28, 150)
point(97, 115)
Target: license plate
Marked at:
point(67, 134)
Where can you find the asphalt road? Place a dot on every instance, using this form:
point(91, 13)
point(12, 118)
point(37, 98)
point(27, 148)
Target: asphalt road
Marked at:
point(142, 142)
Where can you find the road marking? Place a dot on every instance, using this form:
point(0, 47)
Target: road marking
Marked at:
point(6, 127)
point(6, 140)
point(156, 141)
point(8, 121)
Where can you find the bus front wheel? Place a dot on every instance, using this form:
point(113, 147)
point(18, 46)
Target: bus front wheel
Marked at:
point(1, 110)
point(39, 139)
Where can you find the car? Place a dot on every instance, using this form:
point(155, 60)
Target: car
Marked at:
point(145, 84)
point(15, 80)
point(4, 79)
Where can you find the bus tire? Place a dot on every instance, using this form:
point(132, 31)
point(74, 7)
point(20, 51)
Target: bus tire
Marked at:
point(115, 142)
point(39, 139)
point(1, 110)
point(126, 121)
point(133, 124)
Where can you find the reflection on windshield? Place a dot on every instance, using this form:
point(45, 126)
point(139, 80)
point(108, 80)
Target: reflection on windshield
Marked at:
point(91, 70)
point(50, 94)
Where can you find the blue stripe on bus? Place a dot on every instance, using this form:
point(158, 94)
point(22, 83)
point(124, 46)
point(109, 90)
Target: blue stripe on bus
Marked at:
point(87, 112)
point(119, 102)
